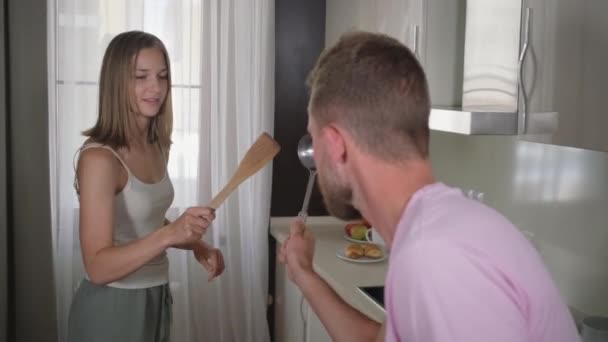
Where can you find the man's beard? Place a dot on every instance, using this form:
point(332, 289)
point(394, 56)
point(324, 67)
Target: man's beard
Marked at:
point(337, 196)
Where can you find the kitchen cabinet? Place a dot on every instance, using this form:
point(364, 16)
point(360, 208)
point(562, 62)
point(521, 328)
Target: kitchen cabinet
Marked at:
point(564, 70)
point(567, 70)
point(435, 31)
point(432, 29)
point(402, 19)
point(294, 320)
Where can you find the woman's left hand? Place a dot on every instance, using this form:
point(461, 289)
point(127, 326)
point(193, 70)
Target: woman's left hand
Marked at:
point(212, 260)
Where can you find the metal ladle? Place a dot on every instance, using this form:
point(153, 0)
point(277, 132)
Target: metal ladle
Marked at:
point(305, 153)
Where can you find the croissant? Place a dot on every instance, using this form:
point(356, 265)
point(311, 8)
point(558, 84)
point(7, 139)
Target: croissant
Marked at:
point(372, 251)
point(354, 251)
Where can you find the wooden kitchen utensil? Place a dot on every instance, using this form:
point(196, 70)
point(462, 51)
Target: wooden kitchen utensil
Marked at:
point(260, 153)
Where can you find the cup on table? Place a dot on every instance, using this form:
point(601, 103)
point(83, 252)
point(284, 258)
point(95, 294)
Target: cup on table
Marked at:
point(372, 236)
point(595, 329)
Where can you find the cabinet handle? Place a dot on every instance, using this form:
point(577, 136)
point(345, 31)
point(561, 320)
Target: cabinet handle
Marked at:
point(523, 109)
point(415, 36)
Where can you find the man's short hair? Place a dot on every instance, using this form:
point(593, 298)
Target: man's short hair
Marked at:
point(374, 86)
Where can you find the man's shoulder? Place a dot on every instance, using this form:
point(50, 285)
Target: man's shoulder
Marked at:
point(446, 210)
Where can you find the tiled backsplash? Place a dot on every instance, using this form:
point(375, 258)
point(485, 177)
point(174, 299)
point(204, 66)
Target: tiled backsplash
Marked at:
point(557, 195)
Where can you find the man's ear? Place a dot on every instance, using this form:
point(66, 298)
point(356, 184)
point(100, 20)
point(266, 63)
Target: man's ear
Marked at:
point(336, 147)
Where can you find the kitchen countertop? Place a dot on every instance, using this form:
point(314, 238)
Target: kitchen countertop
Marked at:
point(343, 276)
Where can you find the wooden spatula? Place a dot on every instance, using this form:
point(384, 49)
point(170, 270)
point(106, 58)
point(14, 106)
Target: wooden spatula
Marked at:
point(261, 152)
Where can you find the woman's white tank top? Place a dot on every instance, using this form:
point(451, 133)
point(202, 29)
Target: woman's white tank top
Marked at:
point(139, 209)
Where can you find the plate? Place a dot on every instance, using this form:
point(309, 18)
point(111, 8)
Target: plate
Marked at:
point(362, 260)
point(354, 240)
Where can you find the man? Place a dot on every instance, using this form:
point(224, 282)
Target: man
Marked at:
point(458, 271)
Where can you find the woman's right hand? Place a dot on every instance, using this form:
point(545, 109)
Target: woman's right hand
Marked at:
point(190, 226)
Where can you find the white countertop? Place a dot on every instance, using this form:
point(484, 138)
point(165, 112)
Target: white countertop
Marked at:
point(343, 276)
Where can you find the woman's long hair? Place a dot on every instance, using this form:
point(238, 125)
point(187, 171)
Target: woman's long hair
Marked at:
point(116, 93)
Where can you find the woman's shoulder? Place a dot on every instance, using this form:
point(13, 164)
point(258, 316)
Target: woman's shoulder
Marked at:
point(91, 142)
point(97, 160)
point(99, 164)
point(96, 154)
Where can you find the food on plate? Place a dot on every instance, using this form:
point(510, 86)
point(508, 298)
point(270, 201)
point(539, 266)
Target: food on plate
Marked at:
point(356, 230)
point(372, 251)
point(349, 226)
point(358, 250)
point(354, 251)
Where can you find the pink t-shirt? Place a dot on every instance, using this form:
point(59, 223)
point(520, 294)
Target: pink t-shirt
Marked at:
point(460, 271)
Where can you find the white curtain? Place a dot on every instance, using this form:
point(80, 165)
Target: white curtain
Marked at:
point(222, 60)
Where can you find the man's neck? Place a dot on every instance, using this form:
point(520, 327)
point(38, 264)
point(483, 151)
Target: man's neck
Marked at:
point(385, 190)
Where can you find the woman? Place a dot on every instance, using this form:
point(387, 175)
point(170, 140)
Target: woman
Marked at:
point(124, 192)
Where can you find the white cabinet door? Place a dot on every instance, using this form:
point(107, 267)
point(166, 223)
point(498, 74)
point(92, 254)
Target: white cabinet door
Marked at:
point(442, 49)
point(401, 19)
point(566, 68)
point(288, 322)
point(432, 29)
point(292, 317)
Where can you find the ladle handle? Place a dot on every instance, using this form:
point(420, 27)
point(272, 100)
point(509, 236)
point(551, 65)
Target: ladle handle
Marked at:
point(311, 181)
